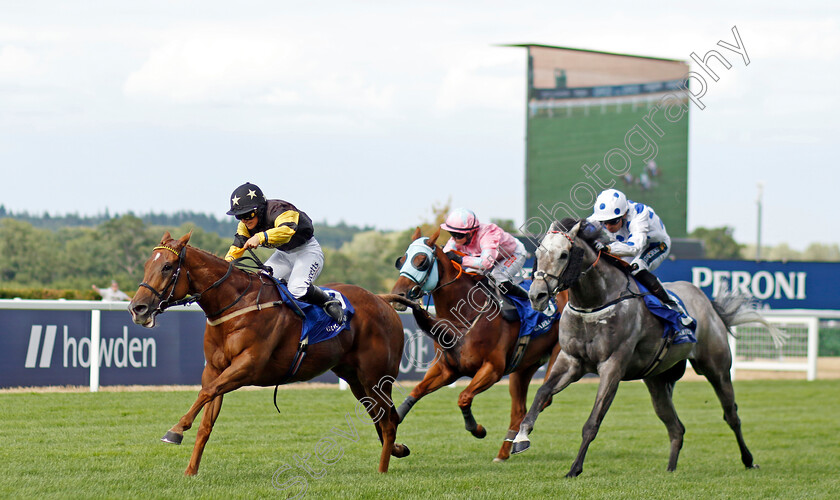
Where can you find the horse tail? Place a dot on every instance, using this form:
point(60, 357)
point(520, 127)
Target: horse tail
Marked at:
point(736, 309)
point(440, 330)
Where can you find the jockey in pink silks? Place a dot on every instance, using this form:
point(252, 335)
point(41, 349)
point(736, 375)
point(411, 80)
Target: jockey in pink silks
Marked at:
point(488, 250)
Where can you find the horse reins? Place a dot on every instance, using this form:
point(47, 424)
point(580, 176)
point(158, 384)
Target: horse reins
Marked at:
point(166, 303)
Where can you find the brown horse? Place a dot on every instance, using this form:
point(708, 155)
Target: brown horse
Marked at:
point(474, 339)
point(253, 338)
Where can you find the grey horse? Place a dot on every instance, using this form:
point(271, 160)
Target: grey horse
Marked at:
point(607, 329)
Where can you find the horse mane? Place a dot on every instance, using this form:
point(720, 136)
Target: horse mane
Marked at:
point(588, 232)
point(211, 254)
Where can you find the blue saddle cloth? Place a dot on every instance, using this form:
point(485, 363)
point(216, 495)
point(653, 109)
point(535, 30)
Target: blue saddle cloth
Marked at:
point(532, 322)
point(318, 326)
point(670, 318)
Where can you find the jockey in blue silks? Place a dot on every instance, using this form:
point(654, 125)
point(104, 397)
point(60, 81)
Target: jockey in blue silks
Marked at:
point(638, 236)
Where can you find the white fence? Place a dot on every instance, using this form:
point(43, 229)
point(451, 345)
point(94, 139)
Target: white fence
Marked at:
point(753, 349)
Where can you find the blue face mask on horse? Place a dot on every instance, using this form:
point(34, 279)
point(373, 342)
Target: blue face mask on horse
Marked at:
point(425, 274)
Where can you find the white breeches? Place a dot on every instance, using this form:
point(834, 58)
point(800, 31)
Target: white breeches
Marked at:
point(299, 267)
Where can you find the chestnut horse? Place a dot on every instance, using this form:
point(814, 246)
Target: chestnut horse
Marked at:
point(253, 338)
point(484, 344)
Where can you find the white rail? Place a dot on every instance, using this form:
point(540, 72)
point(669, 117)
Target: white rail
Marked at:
point(753, 349)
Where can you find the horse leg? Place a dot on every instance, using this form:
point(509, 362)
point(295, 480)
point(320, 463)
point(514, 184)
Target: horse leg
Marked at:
point(485, 377)
point(358, 390)
point(551, 360)
point(610, 373)
point(722, 383)
point(661, 388)
point(233, 377)
point(519, 381)
point(565, 370)
point(436, 377)
point(384, 415)
point(211, 413)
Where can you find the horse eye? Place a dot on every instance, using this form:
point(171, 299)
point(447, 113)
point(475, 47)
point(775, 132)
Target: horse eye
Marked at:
point(564, 254)
point(167, 267)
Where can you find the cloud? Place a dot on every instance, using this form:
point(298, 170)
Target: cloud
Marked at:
point(484, 78)
point(207, 68)
point(16, 62)
point(253, 68)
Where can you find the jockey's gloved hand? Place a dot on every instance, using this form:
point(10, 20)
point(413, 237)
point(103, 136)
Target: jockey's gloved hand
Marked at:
point(454, 257)
point(588, 231)
point(601, 247)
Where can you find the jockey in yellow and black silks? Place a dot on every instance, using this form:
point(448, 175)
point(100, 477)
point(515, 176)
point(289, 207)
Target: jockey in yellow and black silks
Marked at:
point(278, 224)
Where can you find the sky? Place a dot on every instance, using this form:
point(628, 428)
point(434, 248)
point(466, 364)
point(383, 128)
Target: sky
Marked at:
point(373, 112)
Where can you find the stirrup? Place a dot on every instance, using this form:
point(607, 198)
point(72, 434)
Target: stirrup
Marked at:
point(675, 306)
point(328, 305)
point(550, 309)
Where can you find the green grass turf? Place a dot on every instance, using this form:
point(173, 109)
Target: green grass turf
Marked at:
point(106, 445)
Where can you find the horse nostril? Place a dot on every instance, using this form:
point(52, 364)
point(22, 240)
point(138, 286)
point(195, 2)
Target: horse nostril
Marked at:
point(140, 309)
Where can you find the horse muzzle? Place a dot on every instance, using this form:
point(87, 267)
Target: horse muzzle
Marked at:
point(414, 292)
point(538, 295)
point(143, 315)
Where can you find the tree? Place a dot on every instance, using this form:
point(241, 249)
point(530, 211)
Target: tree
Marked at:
point(367, 261)
point(27, 254)
point(822, 252)
point(718, 242)
point(507, 225)
point(129, 242)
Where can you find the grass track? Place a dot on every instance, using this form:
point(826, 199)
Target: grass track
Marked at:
point(106, 445)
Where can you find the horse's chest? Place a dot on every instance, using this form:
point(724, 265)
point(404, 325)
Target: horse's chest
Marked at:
point(585, 340)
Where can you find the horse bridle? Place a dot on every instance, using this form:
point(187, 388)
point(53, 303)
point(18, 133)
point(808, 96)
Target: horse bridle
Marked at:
point(572, 271)
point(166, 303)
point(427, 265)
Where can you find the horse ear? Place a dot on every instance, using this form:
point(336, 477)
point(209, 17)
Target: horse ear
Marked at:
point(184, 239)
point(416, 234)
point(433, 238)
point(166, 237)
point(573, 233)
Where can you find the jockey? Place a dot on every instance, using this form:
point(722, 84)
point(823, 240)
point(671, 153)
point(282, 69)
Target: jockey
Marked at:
point(277, 224)
point(488, 248)
point(638, 236)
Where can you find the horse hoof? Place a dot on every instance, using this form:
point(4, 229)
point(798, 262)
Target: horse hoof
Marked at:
point(753, 466)
point(404, 453)
point(480, 432)
point(498, 460)
point(520, 446)
point(172, 438)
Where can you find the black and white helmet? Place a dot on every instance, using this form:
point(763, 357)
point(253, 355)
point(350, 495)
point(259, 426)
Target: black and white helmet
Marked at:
point(246, 198)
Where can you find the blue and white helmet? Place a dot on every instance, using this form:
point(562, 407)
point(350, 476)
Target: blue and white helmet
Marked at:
point(610, 204)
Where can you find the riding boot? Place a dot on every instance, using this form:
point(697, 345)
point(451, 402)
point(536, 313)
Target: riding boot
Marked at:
point(652, 283)
point(512, 289)
point(315, 296)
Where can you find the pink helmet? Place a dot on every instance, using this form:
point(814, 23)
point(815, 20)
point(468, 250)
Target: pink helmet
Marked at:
point(460, 220)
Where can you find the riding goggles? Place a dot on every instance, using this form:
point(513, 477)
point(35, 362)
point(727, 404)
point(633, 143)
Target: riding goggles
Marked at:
point(247, 216)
